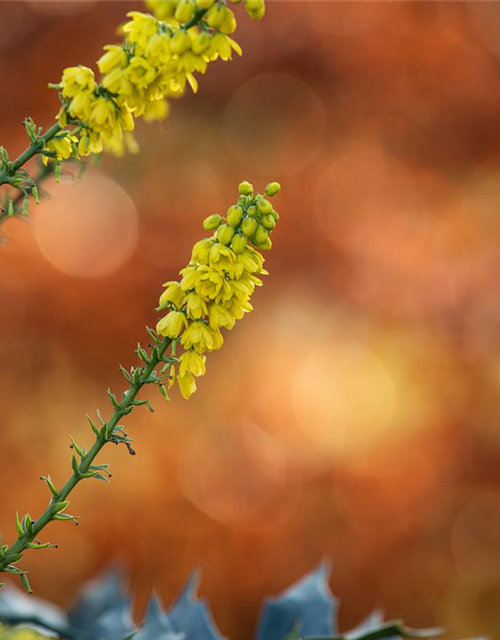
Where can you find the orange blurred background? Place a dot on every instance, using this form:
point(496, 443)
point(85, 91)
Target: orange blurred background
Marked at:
point(356, 414)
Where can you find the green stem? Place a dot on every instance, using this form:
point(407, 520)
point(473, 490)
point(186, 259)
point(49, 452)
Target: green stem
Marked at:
point(23, 541)
point(27, 154)
point(43, 174)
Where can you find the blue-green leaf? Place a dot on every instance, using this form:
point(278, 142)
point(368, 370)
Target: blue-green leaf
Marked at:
point(307, 608)
point(191, 616)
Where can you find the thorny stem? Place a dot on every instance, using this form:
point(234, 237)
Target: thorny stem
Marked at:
point(37, 146)
point(23, 541)
point(27, 154)
point(43, 174)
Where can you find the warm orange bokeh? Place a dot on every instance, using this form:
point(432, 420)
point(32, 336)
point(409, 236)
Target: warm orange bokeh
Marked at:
point(356, 414)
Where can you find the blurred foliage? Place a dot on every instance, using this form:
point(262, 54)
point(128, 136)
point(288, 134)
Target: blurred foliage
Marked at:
point(103, 612)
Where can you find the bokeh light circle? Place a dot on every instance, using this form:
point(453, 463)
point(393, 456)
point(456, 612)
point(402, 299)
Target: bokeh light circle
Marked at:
point(88, 228)
point(274, 124)
point(232, 474)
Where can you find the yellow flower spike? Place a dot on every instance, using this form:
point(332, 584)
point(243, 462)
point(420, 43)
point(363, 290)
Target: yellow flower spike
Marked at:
point(217, 285)
point(172, 325)
point(187, 385)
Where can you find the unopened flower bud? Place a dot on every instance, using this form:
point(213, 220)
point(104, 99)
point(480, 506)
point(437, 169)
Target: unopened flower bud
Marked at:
point(239, 243)
point(252, 210)
point(205, 4)
point(268, 221)
point(255, 9)
point(260, 235)
point(201, 43)
point(181, 42)
point(225, 234)
point(234, 215)
point(249, 226)
point(264, 206)
point(184, 11)
point(216, 16)
point(212, 222)
point(275, 215)
point(245, 188)
point(272, 189)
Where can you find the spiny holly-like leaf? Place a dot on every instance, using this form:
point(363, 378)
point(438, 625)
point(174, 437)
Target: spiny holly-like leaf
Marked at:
point(392, 629)
point(191, 616)
point(17, 607)
point(307, 608)
point(372, 621)
point(113, 624)
point(157, 626)
point(96, 597)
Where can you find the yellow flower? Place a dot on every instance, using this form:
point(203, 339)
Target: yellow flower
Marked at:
point(220, 316)
point(141, 72)
point(81, 105)
point(172, 324)
point(187, 385)
point(191, 275)
point(103, 114)
point(163, 9)
point(140, 28)
point(222, 46)
point(197, 336)
point(114, 58)
point(201, 250)
point(196, 306)
point(173, 294)
point(192, 362)
point(156, 110)
point(77, 79)
point(62, 145)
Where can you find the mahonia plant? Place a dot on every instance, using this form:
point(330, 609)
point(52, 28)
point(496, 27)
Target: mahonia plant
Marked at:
point(214, 292)
point(217, 284)
point(160, 54)
point(307, 609)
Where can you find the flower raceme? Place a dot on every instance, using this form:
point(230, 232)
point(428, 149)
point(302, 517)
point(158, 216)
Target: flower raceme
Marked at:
point(160, 54)
point(215, 288)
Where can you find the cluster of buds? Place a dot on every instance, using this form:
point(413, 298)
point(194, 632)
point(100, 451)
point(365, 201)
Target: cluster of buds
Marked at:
point(216, 286)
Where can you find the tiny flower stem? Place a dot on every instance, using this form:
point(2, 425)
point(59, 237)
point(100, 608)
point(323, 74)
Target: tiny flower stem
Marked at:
point(123, 408)
point(43, 174)
point(27, 154)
